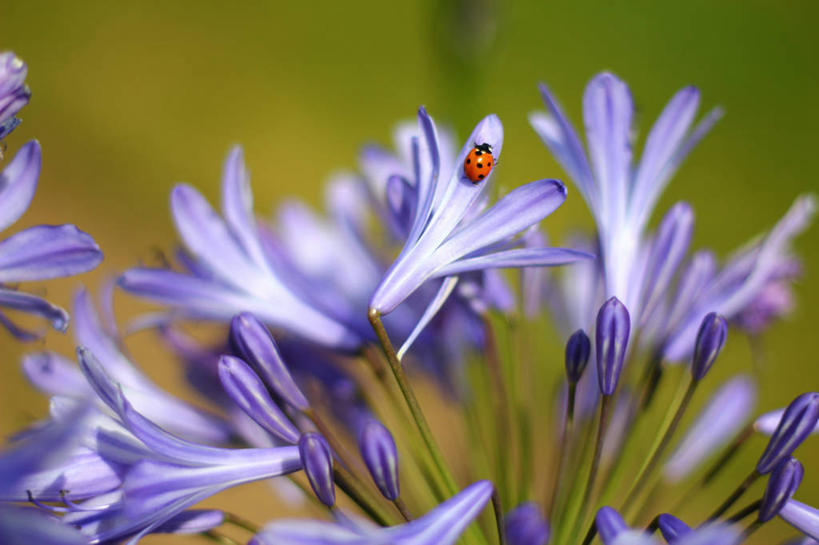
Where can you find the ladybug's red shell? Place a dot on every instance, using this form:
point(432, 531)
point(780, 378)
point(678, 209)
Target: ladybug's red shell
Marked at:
point(479, 162)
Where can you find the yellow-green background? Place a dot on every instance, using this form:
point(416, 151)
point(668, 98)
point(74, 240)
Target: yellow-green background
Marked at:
point(130, 97)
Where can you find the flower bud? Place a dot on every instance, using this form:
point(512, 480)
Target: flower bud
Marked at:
point(14, 93)
point(317, 460)
point(611, 336)
point(257, 347)
point(525, 525)
point(381, 457)
point(671, 527)
point(578, 349)
point(609, 524)
point(710, 340)
point(782, 484)
point(797, 423)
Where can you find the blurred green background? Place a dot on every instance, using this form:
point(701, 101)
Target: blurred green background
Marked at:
point(129, 98)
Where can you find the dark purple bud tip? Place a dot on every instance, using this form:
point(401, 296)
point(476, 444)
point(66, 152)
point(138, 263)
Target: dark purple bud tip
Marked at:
point(609, 524)
point(317, 460)
point(671, 527)
point(796, 424)
point(613, 328)
point(257, 347)
point(782, 484)
point(525, 525)
point(381, 457)
point(710, 340)
point(578, 349)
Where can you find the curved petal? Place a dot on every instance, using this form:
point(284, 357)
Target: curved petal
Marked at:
point(22, 526)
point(18, 182)
point(31, 304)
point(802, 517)
point(429, 313)
point(54, 375)
point(522, 257)
point(47, 251)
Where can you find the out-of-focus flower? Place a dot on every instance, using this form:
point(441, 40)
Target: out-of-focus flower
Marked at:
point(14, 93)
point(38, 253)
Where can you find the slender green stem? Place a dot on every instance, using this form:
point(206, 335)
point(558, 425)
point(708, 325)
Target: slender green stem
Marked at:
point(216, 537)
point(402, 508)
point(360, 496)
point(753, 527)
point(605, 402)
point(563, 447)
point(744, 512)
point(659, 449)
point(412, 402)
point(501, 406)
point(498, 507)
point(735, 495)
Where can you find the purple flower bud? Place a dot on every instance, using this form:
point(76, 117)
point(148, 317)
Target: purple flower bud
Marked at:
point(671, 527)
point(526, 526)
point(798, 421)
point(613, 328)
point(782, 484)
point(710, 340)
point(317, 460)
point(258, 348)
point(14, 92)
point(379, 453)
point(609, 524)
point(578, 349)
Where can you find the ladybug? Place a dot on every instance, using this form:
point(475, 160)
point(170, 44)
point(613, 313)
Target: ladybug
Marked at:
point(478, 162)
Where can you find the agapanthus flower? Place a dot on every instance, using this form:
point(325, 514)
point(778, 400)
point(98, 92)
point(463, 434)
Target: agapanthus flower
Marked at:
point(38, 253)
point(14, 93)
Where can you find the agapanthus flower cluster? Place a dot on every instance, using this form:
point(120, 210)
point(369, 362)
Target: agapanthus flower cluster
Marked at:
point(304, 387)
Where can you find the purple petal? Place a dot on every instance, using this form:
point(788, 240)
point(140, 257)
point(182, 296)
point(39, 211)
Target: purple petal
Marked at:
point(18, 181)
point(54, 375)
point(727, 411)
point(31, 304)
point(247, 390)
point(802, 517)
point(560, 137)
point(193, 521)
point(47, 251)
point(22, 526)
point(664, 140)
point(525, 257)
point(237, 207)
point(607, 112)
point(432, 309)
point(712, 534)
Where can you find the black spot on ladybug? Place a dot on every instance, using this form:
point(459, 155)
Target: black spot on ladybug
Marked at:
point(480, 165)
point(468, 160)
point(480, 176)
point(489, 164)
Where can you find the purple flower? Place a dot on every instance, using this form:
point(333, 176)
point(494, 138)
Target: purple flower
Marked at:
point(14, 93)
point(232, 268)
point(710, 340)
point(37, 253)
point(621, 195)
point(317, 460)
point(453, 232)
point(578, 349)
point(672, 528)
point(441, 526)
point(797, 423)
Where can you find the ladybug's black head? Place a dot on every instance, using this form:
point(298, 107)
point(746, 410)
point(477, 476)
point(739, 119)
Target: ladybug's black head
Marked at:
point(485, 148)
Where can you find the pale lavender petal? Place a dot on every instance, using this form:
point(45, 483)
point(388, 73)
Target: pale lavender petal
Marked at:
point(54, 375)
point(429, 189)
point(193, 521)
point(522, 207)
point(524, 257)
point(712, 534)
point(802, 517)
point(693, 280)
point(432, 309)
point(664, 140)
point(560, 137)
point(31, 304)
point(237, 207)
point(667, 251)
point(724, 415)
point(246, 388)
point(607, 112)
point(47, 251)
point(18, 181)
